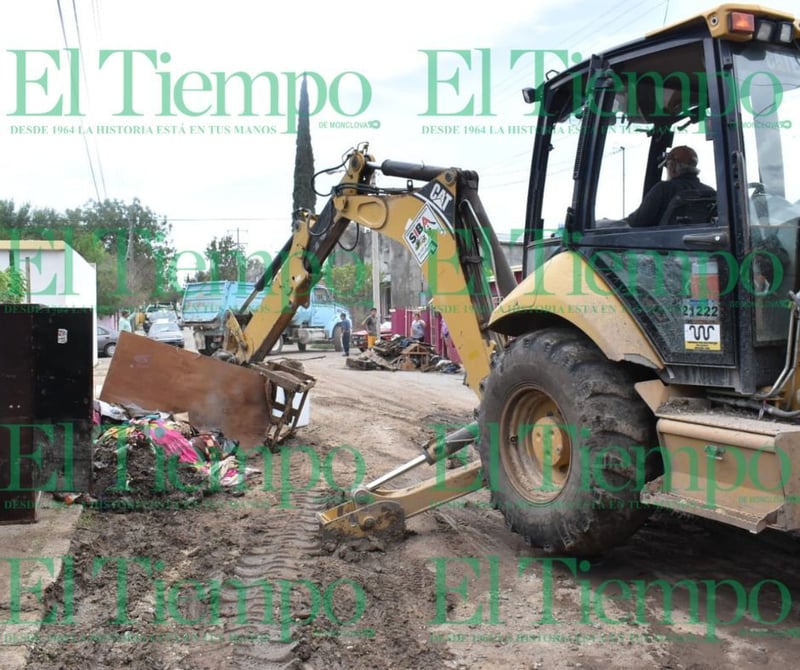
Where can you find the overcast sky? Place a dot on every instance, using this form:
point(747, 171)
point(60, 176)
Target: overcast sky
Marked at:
point(223, 174)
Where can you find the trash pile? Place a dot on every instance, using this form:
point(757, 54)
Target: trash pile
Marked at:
point(402, 353)
point(152, 460)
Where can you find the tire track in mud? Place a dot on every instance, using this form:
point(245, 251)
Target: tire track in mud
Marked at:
point(260, 606)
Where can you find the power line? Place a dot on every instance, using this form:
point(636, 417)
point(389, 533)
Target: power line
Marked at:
point(96, 20)
point(88, 98)
point(610, 19)
point(238, 231)
point(622, 9)
point(85, 141)
point(228, 218)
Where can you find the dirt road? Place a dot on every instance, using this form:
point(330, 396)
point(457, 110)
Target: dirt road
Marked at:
point(243, 581)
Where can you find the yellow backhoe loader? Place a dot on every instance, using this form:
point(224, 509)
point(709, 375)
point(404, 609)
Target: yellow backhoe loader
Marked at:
point(643, 361)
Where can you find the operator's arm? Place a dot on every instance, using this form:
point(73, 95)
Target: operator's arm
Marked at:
point(652, 207)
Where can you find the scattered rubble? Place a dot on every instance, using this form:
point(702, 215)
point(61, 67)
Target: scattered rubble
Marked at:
point(402, 353)
point(154, 460)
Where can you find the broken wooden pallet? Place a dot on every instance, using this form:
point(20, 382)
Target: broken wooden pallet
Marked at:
point(416, 356)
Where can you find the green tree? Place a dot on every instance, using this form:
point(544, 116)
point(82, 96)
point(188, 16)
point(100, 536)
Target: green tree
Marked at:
point(350, 284)
point(303, 196)
point(227, 261)
point(12, 286)
point(139, 264)
point(13, 219)
point(128, 243)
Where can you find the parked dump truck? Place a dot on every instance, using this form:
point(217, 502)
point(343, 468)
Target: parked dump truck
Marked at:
point(206, 303)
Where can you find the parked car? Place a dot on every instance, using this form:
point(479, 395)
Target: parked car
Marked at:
point(106, 341)
point(164, 314)
point(166, 331)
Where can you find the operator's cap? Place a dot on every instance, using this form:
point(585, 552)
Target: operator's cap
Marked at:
point(682, 154)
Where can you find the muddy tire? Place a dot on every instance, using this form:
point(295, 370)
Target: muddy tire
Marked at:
point(566, 444)
point(225, 356)
point(336, 336)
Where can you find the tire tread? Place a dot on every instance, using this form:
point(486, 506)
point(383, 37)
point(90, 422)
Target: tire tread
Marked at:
point(603, 400)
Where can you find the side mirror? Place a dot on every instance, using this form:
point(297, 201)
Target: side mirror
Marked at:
point(529, 95)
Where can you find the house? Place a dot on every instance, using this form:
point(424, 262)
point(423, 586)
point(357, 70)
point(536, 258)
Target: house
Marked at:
point(56, 275)
point(402, 281)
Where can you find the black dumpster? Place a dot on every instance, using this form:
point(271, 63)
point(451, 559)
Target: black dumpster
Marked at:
point(46, 399)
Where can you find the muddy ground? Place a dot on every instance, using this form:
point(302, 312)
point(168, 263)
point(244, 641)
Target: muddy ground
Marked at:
point(241, 579)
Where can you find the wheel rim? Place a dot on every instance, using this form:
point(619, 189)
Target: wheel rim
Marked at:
point(110, 349)
point(536, 449)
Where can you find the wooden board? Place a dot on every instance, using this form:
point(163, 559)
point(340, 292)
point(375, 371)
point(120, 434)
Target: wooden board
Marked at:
point(217, 395)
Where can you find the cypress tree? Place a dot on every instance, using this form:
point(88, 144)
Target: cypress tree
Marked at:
point(303, 196)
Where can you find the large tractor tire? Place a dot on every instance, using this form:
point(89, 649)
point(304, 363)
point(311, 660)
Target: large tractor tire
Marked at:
point(566, 444)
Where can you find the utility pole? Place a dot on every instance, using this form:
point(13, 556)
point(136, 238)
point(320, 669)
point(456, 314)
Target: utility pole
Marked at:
point(241, 264)
point(237, 230)
point(129, 251)
point(376, 275)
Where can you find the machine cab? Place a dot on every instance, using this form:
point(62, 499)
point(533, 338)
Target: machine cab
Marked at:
point(707, 276)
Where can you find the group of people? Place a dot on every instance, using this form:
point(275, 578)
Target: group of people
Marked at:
point(347, 329)
point(371, 323)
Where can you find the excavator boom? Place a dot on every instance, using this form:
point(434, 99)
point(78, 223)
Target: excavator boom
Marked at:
point(444, 226)
point(442, 223)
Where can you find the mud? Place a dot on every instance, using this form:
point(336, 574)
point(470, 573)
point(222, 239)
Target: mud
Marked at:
point(243, 581)
point(134, 474)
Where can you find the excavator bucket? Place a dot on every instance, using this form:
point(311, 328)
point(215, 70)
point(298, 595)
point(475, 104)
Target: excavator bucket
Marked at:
point(378, 511)
point(256, 405)
point(382, 512)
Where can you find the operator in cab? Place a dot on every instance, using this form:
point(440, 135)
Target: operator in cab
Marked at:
point(682, 179)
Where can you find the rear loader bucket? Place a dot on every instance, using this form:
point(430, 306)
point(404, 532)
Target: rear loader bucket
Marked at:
point(240, 402)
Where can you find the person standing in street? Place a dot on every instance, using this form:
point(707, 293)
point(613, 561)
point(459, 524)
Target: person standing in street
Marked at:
point(448, 343)
point(124, 322)
point(346, 328)
point(418, 328)
point(370, 322)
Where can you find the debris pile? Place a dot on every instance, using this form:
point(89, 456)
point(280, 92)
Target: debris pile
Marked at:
point(402, 353)
point(154, 460)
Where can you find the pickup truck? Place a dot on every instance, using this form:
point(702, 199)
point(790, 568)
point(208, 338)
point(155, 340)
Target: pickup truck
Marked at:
point(155, 312)
point(204, 305)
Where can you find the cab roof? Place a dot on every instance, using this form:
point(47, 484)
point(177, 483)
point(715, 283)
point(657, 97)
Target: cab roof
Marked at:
point(720, 21)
